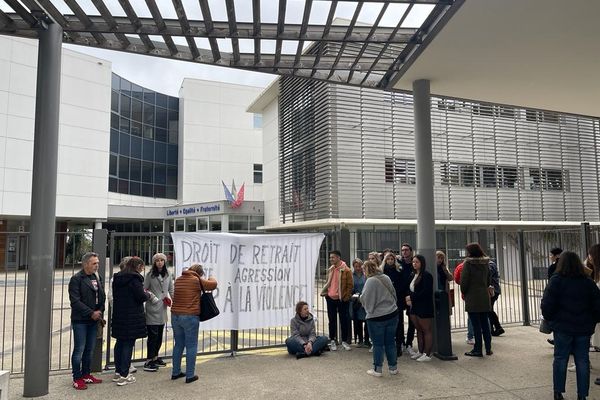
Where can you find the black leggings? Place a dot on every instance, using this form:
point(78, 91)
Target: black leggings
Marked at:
point(154, 342)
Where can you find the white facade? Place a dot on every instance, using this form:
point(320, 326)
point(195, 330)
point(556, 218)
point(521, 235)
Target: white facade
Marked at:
point(218, 141)
point(83, 133)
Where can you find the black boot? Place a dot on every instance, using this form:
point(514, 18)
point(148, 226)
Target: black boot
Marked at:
point(558, 396)
point(301, 355)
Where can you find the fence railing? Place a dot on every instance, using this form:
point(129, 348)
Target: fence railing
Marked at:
point(522, 258)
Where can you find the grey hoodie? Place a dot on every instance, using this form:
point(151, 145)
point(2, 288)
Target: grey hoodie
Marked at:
point(378, 296)
point(303, 330)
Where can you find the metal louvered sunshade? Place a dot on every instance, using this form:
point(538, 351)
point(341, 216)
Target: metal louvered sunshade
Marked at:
point(370, 48)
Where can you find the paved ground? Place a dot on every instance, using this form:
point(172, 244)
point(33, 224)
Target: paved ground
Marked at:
point(521, 368)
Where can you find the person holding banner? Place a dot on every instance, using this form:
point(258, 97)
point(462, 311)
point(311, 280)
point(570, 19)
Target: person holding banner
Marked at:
point(337, 292)
point(379, 300)
point(185, 319)
point(304, 341)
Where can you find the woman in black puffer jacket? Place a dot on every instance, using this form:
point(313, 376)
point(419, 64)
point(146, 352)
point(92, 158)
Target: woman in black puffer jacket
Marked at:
point(128, 318)
point(571, 304)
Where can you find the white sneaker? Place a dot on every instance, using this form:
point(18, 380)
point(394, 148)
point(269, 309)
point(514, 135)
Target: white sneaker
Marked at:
point(371, 349)
point(125, 381)
point(470, 341)
point(410, 350)
point(572, 368)
point(332, 346)
point(394, 371)
point(116, 378)
point(424, 358)
point(132, 369)
point(346, 346)
point(372, 372)
point(415, 356)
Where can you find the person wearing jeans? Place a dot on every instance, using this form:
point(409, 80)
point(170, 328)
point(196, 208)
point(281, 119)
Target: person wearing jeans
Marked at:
point(87, 297)
point(379, 300)
point(185, 311)
point(571, 303)
point(185, 333)
point(337, 292)
point(123, 353)
point(304, 341)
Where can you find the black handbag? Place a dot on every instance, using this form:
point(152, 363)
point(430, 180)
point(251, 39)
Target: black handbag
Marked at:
point(208, 306)
point(545, 327)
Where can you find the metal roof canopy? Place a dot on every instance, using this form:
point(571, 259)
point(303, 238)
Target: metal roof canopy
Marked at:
point(358, 53)
point(541, 54)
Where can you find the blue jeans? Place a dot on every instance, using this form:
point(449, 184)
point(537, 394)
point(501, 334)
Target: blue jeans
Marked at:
point(84, 341)
point(383, 337)
point(578, 345)
point(294, 347)
point(185, 333)
point(123, 353)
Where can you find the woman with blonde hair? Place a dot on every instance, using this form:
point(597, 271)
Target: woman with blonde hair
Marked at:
point(185, 319)
point(379, 300)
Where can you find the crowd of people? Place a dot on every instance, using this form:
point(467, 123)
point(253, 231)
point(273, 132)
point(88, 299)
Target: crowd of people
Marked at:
point(370, 299)
point(139, 305)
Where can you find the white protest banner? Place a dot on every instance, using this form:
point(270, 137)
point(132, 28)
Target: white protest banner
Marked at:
point(260, 277)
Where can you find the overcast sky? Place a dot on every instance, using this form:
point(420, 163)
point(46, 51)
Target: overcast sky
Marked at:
point(166, 75)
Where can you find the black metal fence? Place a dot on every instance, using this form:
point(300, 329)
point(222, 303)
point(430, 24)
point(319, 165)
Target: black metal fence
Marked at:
point(522, 258)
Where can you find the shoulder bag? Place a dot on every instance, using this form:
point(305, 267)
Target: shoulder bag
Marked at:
point(208, 306)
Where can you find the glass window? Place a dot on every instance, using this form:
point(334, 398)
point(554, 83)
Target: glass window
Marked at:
point(136, 147)
point(215, 223)
point(160, 152)
point(161, 135)
point(160, 191)
point(114, 121)
point(255, 222)
point(173, 137)
point(112, 169)
point(124, 144)
point(135, 170)
point(114, 101)
point(149, 96)
point(171, 192)
point(148, 114)
point(148, 132)
point(238, 223)
point(136, 128)
point(489, 176)
point(135, 188)
point(172, 154)
point(160, 174)
point(113, 185)
point(258, 173)
point(125, 106)
point(258, 121)
point(115, 82)
point(123, 186)
point(123, 167)
point(114, 140)
point(179, 225)
point(171, 175)
point(467, 175)
point(136, 91)
point(148, 150)
point(161, 117)
point(147, 190)
point(202, 224)
point(125, 86)
point(161, 100)
point(124, 125)
point(173, 103)
point(147, 172)
point(136, 110)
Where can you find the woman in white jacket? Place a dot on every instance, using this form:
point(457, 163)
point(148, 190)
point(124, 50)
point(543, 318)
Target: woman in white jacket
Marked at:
point(160, 283)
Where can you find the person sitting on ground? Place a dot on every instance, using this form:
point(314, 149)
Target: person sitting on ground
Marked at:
point(304, 341)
